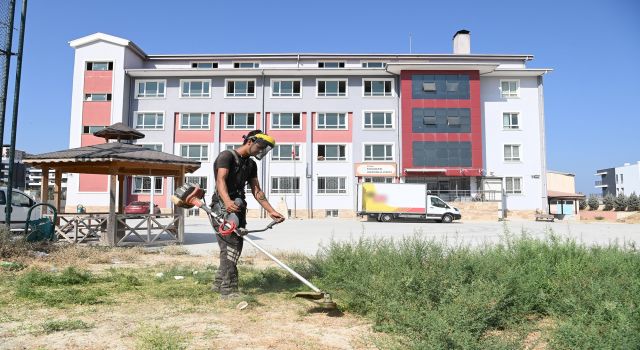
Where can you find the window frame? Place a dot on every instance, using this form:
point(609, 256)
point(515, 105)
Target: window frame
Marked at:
point(345, 193)
point(208, 118)
point(322, 64)
point(186, 180)
point(89, 132)
point(135, 120)
point(144, 81)
point(108, 97)
point(364, 151)
point(317, 121)
point(194, 64)
point(272, 117)
point(182, 81)
point(255, 64)
point(510, 128)
point(391, 93)
point(278, 191)
point(190, 144)
point(226, 125)
point(504, 155)
point(365, 64)
point(346, 87)
point(142, 192)
point(364, 117)
point(273, 81)
point(325, 160)
point(506, 178)
point(298, 154)
point(517, 93)
point(226, 88)
point(108, 62)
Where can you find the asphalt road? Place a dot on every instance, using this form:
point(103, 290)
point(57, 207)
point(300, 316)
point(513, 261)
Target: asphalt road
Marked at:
point(307, 236)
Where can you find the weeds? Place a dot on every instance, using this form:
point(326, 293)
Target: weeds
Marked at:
point(52, 326)
point(156, 338)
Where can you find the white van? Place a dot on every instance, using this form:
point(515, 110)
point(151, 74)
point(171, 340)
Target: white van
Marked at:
point(21, 202)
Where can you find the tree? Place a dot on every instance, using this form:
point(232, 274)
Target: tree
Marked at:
point(609, 202)
point(620, 203)
point(633, 202)
point(593, 202)
point(582, 203)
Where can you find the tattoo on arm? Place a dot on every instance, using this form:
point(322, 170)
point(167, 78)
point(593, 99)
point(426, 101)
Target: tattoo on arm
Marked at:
point(261, 196)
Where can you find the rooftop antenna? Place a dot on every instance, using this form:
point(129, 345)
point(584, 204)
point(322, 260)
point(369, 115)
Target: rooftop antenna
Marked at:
point(410, 43)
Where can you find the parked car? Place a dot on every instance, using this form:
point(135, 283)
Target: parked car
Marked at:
point(21, 202)
point(140, 207)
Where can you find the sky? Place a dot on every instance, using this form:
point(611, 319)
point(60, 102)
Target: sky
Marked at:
point(592, 46)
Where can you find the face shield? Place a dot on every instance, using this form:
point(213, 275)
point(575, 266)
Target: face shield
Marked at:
point(263, 148)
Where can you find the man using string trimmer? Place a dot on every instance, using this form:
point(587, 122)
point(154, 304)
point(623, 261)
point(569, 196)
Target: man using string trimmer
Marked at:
point(233, 169)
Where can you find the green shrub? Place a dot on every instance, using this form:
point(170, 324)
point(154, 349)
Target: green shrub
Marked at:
point(609, 202)
point(582, 203)
point(593, 202)
point(437, 297)
point(633, 203)
point(599, 218)
point(620, 203)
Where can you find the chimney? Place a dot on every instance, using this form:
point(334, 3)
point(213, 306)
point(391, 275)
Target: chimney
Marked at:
point(462, 42)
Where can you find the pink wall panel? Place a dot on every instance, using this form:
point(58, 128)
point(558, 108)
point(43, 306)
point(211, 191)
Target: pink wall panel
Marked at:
point(194, 135)
point(92, 110)
point(160, 200)
point(98, 81)
point(332, 135)
point(287, 136)
point(235, 136)
point(90, 140)
point(94, 183)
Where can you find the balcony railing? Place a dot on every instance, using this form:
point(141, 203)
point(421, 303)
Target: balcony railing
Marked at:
point(600, 184)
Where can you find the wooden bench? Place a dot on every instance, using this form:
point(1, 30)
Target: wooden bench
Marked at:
point(545, 217)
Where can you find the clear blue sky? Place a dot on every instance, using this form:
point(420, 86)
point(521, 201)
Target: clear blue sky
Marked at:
point(593, 46)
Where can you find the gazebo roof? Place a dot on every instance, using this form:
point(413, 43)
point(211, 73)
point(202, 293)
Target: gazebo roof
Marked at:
point(114, 158)
point(119, 131)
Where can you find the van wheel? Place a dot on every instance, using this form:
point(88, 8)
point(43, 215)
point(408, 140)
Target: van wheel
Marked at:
point(447, 218)
point(386, 217)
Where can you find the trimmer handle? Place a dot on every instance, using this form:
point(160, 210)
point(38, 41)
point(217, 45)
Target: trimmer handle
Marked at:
point(273, 223)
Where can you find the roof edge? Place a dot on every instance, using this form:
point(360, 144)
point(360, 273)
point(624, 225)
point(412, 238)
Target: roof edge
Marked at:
point(85, 40)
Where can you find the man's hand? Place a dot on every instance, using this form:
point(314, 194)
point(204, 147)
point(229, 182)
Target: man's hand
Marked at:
point(276, 216)
point(231, 207)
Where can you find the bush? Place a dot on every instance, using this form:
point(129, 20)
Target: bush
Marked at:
point(620, 204)
point(12, 247)
point(633, 202)
point(609, 202)
point(583, 204)
point(593, 202)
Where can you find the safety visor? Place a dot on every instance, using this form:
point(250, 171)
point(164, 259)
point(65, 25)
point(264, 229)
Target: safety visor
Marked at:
point(264, 148)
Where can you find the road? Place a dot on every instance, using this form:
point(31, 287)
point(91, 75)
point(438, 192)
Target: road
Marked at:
point(307, 236)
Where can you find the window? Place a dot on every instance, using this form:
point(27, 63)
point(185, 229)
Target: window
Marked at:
point(286, 121)
point(246, 65)
point(231, 146)
point(330, 64)
point(429, 121)
point(99, 66)
point(621, 179)
point(510, 121)
point(332, 88)
point(377, 88)
point(150, 88)
point(195, 152)
point(285, 184)
point(382, 180)
point(453, 121)
point(513, 184)
point(142, 185)
point(332, 185)
point(152, 146)
point(204, 65)
point(378, 152)
point(149, 120)
point(194, 121)
point(286, 152)
point(331, 121)
point(97, 97)
point(198, 180)
point(241, 88)
point(512, 153)
point(509, 88)
point(195, 88)
point(91, 129)
point(373, 64)
point(378, 120)
point(286, 88)
point(437, 202)
point(240, 121)
point(332, 152)
point(429, 87)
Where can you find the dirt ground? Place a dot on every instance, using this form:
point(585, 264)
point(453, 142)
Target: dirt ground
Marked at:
point(271, 321)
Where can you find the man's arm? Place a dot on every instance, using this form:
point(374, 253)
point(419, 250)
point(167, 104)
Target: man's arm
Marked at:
point(259, 195)
point(223, 192)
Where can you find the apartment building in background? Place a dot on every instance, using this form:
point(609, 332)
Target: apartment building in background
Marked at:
point(619, 180)
point(461, 123)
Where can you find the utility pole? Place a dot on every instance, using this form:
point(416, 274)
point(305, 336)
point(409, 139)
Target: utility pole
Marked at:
point(14, 121)
point(6, 51)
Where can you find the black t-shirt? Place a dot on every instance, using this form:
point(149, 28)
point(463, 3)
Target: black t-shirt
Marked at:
point(240, 172)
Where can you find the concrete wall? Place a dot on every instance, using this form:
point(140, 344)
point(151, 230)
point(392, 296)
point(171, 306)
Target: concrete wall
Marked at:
point(561, 182)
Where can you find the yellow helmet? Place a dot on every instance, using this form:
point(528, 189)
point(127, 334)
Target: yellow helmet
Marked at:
point(268, 139)
point(265, 142)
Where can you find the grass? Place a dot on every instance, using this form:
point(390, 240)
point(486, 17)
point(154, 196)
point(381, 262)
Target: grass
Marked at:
point(156, 338)
point(435, 296)
point(52, 326)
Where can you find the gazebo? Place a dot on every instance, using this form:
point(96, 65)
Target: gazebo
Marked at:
point(116, 159)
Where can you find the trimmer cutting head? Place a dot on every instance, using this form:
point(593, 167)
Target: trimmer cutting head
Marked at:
point(322, 299)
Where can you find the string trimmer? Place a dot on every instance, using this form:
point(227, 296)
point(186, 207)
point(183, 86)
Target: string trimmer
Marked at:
point(191, 195)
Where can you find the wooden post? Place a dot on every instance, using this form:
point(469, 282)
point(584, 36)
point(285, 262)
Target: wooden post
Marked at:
point(121, 194)
point(57, 194)
point(44, 185)
point(179, 181)
point(112, 225)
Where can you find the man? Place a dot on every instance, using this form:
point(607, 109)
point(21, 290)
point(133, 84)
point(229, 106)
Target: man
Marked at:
point(232, 170)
